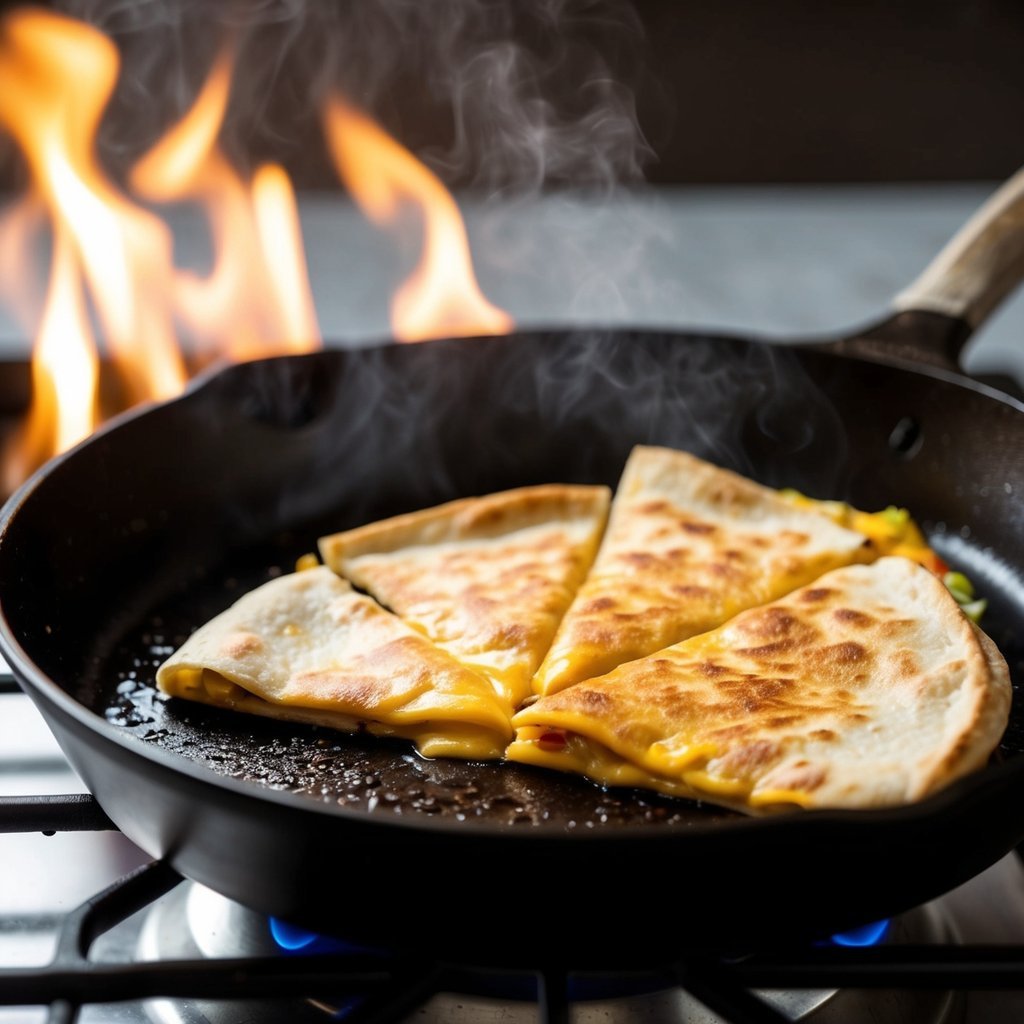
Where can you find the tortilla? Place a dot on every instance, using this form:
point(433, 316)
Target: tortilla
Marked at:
point(307, 648)
point(688, 546)
point(487, 579)
point(868, 688)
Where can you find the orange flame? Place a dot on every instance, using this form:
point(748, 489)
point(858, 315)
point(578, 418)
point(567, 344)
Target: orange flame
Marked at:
point(65, 371)
point(112, 259)
point(249, 305)
point(442, 297)
point(56, 76)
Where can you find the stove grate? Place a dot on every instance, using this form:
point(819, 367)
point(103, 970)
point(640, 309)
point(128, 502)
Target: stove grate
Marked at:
point(390, 988)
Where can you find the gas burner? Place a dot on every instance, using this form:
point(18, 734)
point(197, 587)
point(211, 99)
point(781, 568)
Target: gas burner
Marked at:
point(195, 922)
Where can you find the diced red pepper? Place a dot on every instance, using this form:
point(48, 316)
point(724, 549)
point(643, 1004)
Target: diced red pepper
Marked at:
point(552, 740)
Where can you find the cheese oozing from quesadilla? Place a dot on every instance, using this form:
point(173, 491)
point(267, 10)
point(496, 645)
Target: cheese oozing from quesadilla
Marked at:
point(868, 688)
point(308, 648)
point(487, 579)
point(688, 545)
point(892, 530)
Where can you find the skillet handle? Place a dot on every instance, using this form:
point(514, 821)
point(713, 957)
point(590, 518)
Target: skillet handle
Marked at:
point(979, 266)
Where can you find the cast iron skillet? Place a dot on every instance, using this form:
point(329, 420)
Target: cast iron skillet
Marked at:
point(113, 553)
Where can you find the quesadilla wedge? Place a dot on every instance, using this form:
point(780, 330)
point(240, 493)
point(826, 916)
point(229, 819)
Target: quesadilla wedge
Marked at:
point(688, 546)
point(308, 648)
point(487, 579)
point(867, 688)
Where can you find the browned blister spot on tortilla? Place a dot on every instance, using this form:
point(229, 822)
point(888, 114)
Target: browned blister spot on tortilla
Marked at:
point(400, 670)
point(594, 701)
point(641, 560)
point(711, 669)
point(239, 645)
point(825, 735)
point(766, 650)
point(793, 538)
point(905, 663)
point(489, 514)
point(652, 508)
point(407, 658)
point(509, 635)
point(698, 529)
point(802, 777)
point(690, 590)
point(774, 623)
point(815, 594)
point(852, 617)
point(724, 571)
point(894, 627)
point(745, 759)
point(360, 691)
point(847, 652)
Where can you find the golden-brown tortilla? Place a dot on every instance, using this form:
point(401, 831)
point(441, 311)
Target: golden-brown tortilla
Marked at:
point(868, 688)
point(688, 546)
point(307, 648)
point(488, 579)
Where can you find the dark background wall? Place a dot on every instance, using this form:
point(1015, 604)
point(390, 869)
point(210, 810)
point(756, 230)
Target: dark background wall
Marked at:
point(500, 95)
point(797, 90)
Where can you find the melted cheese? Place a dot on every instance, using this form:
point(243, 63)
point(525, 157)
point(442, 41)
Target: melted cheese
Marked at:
point(892, 529)
point(598, 763)
point(465, 740)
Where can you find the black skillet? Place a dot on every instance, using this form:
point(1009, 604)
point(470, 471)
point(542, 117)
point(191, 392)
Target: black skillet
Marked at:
point(113, 553)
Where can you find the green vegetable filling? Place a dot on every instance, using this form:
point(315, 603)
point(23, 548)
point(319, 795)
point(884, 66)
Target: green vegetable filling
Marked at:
point(962, 590)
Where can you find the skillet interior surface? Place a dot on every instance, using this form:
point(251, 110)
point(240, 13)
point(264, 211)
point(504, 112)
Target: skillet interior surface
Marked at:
point(289, 449)
point(121, 549)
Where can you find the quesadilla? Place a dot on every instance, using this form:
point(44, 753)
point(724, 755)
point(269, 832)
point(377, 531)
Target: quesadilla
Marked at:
point(308, 648)
point(867, 688)
point(688, 546)
point(487, 579)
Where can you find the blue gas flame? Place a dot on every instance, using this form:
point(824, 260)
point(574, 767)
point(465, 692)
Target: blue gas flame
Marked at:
point(866, 935)
point(289, 937)
point(293, 939)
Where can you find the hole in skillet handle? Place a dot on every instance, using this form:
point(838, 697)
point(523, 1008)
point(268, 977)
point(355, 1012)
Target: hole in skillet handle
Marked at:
point(905, 439)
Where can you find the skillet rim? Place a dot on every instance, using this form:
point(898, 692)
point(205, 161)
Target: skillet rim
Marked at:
point(41, 687)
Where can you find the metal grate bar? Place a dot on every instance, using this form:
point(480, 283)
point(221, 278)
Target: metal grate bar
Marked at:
point(68, 812)
point(705, 981)
point(87, 922)
point(62, 1012)
point(393, 1002)
point(913, 967)
point(8, 684)
point(553, 997)
point(237, 978)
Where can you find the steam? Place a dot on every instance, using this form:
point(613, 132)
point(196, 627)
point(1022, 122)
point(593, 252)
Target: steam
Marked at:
point(494, 96)
point(349, 437)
